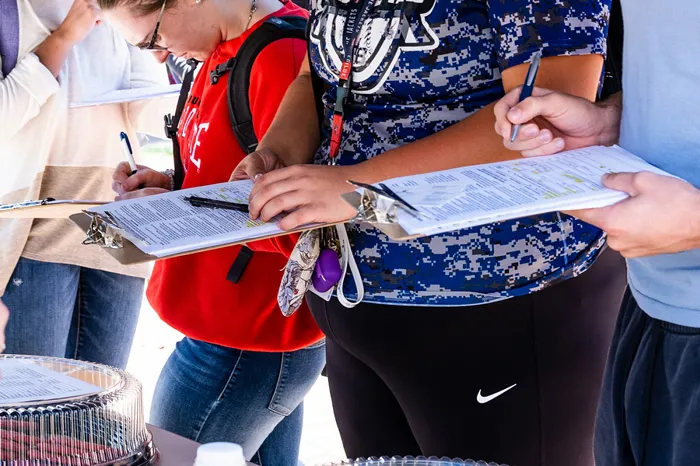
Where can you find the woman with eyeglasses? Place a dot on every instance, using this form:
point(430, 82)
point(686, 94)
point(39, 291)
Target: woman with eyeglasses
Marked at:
point(66, 299)
point(243, 369)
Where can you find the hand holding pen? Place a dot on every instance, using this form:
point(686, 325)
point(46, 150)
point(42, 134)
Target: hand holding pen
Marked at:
point(131, 180)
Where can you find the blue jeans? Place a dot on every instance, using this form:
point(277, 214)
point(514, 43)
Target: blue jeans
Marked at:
point(69, 311)
point(210, 393)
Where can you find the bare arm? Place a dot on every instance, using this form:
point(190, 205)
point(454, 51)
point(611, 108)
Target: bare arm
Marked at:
point(473, 141)
point(33, 81)
point(294, 134)
point(81, 19)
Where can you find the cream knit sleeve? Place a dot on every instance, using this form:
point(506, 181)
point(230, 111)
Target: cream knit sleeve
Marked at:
point(22, 93)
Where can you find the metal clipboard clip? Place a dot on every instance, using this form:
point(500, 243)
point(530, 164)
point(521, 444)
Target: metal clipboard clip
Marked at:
point(103, 231)
point(380, 204)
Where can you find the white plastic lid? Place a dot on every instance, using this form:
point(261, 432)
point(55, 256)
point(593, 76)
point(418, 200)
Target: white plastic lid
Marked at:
point(220, 454)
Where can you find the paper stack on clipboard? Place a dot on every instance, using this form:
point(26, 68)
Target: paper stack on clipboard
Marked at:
point(166, 225)
point(450, 200)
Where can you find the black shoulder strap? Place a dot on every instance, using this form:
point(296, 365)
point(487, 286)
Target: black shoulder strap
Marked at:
point(172, 122)
point(612, 81)
point(274, 29)
point(319, 87)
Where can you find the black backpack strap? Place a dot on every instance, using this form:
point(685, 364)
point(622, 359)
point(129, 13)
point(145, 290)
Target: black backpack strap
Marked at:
point(172, 122)
point(239, 265)
point(240, 67)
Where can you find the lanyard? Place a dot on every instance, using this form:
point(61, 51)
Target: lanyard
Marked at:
point(351, 39)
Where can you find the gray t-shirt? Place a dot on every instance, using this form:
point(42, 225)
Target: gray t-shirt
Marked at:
point(661, 123)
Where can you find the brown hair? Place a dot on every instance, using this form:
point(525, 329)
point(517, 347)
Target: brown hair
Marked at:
point(140, 7)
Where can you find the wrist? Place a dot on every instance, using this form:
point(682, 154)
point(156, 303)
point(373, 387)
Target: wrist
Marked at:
point(64, 37)
point(609, 121)
point(359, 173)
point(168, 181)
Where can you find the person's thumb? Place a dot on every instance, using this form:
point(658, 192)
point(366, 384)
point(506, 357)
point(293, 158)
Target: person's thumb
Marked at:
point(625, 182)
point(250, 168)
point(548, 106)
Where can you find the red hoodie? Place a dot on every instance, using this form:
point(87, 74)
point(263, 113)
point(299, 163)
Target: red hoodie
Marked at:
point(191, 293)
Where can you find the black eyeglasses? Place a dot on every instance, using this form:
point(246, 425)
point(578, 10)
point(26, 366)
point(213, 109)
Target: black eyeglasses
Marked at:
point(152, 44)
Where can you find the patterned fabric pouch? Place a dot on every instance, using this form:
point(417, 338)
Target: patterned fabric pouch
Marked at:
point(299, 271)
point(298, 274)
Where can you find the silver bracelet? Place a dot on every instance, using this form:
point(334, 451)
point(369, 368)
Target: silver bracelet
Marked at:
point(170, 173)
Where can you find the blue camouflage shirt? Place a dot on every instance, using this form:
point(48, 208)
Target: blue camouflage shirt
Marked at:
point(422, 66)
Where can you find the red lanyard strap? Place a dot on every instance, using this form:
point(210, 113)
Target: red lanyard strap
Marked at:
point(351, 34)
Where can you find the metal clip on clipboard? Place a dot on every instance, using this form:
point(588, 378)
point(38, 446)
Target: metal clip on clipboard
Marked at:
point(379, 206)
point(103, 231)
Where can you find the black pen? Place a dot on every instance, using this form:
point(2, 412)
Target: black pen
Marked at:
point(383, 190)
point(527, 87)
point(213, 203)
point(396, 197)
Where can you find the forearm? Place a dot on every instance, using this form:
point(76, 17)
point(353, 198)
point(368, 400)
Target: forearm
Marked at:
point(22, 93)
point(53, 52)
point(610, 121)
point(472, 141)
point(294, 134)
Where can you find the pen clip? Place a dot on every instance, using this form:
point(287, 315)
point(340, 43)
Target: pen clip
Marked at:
point(533, 69)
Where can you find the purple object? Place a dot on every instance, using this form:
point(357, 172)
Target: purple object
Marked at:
point(327, 271)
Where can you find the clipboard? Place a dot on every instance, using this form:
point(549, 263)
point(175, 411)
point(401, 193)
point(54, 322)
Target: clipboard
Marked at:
point(127, 253)
point(47, 208)
point(477, 195)
point(168, 225)
point(130, 95)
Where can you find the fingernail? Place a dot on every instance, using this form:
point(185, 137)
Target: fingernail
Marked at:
point(257, 177)
point(530, 132)
point(514, 113)
point(545, 136)
point(559, 144)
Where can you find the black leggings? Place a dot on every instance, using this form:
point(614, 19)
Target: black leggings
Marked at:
point(420, 380)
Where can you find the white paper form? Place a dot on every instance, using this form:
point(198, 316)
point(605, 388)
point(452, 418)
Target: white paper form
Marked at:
point(166, 224)
point(131, 95)
point(482, 194)
point(22, 382)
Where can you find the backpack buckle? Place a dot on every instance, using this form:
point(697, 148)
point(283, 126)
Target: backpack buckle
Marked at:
point(170, 132)
point(221, 70)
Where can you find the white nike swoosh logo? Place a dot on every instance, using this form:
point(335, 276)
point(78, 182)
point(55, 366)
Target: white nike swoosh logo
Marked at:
point(485, 399)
